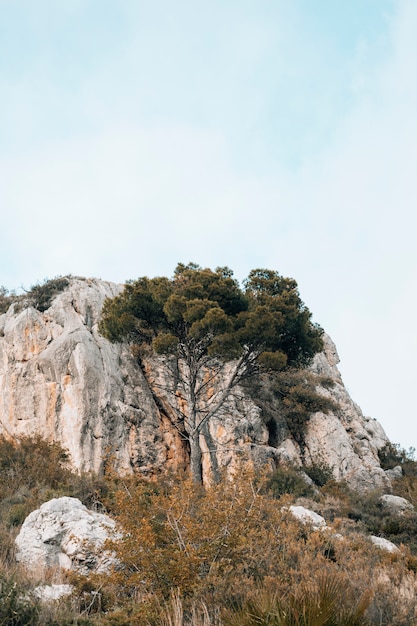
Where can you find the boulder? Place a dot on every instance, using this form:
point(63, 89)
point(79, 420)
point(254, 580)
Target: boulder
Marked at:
point(63, 533)
point(52, 593)
point(396, 504)
point(306, 516)
point(384, 544)
point(394, 473)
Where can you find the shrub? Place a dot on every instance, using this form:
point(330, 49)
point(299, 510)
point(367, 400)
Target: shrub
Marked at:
point(30, 462)
point(5, 299)
point(289, 480)
point(15, 608)
point(224, 545)
point(300, 399)
point(40, 296)
point(34, 471)
point(366, 509)
point(326, 601)
point(320, 473)
point(391, 455)
point(290, 398)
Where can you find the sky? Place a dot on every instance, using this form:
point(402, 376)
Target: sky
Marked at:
point(250, 133)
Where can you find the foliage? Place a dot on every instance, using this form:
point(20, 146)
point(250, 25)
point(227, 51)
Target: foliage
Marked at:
point(202, 319)
point(230, 545)
point(206, 310)
point(392, 454)
point(6, 299)
point(322, 602)
point(39, 296)
point(34, 471)
point(289, 398)
point(369, 515)
point(31, 461)
point(288, 479)
point(297, 390)
point(208, 557)
point(320, 473)
point(15, 608)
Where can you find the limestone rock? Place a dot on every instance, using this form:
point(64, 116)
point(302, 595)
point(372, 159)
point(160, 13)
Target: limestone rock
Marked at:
point(384, 544)
point(394, 473)
point(396, 504)
point(52, 593)
point(64, 533)
point(60, 378)
point(308, 517)
point(345, 440)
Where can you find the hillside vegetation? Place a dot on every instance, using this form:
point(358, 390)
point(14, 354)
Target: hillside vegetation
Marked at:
point(229, 552)
point(226, 555)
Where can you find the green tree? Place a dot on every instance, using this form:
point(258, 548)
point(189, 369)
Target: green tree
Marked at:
point(214, 333)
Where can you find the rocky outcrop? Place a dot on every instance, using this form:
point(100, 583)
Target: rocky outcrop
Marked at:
point(346, 439)
point(63, 533)
point(60, 378)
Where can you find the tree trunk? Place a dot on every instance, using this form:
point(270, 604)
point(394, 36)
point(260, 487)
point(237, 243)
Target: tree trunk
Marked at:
point(212, 451)
point(196, 464)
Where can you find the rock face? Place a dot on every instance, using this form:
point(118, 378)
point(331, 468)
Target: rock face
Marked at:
point(60, 378)
point(347, 440)
point(64, 533)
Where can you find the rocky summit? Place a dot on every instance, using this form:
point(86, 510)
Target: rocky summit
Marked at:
point(61, 379)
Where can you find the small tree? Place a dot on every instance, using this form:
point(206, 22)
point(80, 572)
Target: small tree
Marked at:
point(215, 333)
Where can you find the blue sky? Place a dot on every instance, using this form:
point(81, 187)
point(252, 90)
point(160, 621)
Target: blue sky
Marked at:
point(279, 134)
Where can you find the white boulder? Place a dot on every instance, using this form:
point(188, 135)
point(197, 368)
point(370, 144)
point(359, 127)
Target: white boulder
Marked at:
point(64, 533)
point(51, 593)
point(306, 516)
point(395, 504)
point(384, 544)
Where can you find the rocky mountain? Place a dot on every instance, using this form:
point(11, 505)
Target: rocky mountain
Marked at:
point(61, 379)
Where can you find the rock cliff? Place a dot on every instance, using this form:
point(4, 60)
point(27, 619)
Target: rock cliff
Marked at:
point(60, 378)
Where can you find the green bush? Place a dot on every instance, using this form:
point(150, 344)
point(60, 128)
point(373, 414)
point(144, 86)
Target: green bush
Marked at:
point(320, 473)
point(6, 300)
point(367, 510)
point(392, 455)
point(40, 296)
point(289, 480)
point(15, 608)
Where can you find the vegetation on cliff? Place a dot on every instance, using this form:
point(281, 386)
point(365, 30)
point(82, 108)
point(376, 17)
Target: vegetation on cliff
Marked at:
point(39, 296)
point(214, 335)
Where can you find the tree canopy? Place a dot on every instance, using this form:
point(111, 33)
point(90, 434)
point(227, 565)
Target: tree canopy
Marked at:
point(203, 319)
point(266, 319)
